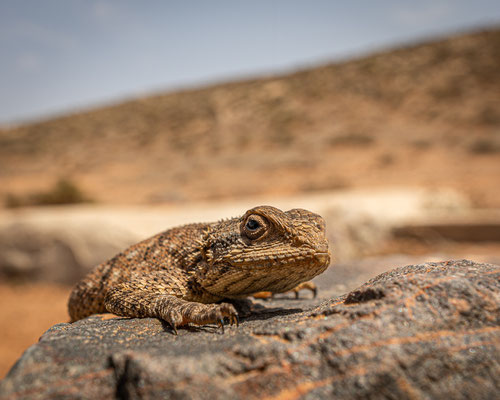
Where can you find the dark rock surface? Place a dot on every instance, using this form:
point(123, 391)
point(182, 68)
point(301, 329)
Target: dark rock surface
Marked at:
point(421, 331)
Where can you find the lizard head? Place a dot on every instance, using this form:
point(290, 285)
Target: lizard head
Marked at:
point(265, 249)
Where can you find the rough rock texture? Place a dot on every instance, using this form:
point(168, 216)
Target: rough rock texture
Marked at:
point(421, 331)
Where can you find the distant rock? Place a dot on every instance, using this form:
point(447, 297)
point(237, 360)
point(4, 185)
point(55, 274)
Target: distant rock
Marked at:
point(61, 253)
point(61, 244)
point(421, 331)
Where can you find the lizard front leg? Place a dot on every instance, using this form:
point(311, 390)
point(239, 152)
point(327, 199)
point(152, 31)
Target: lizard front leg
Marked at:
point(145, 298)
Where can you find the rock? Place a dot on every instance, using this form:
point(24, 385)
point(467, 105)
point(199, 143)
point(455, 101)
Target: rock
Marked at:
point(456, 230)
point(61, 253)
point(421, 331)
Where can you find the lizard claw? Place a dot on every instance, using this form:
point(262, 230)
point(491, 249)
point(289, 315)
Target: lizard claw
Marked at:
point(220, 323)
point(228, 310)
point(305, 285)
point(233, 319)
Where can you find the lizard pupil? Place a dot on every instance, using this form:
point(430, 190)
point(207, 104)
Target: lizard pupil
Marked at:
point(252, 225)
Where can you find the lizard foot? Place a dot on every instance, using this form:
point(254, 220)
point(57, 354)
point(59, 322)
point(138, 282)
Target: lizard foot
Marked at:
point(201, 314)
point(133, 301)
point(305, 285)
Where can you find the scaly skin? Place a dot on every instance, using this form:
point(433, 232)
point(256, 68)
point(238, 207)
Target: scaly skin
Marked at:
point(176, 274)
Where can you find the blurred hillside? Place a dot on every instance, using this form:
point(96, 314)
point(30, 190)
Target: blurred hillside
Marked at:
point(425, 115)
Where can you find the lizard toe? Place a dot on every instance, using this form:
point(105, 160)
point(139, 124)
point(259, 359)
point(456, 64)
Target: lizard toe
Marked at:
point(228, 310)
point(220, 323)
point(174, 318)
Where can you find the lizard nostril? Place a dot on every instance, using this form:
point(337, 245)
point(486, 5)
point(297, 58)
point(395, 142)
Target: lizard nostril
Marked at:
point(321, 247)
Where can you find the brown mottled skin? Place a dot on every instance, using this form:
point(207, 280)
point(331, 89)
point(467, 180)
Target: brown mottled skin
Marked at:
point(177, 274)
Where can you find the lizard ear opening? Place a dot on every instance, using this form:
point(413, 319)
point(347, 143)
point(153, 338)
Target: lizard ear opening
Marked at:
point(254, 226)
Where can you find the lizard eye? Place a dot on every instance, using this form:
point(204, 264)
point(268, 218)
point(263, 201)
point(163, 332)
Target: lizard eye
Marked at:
point(252, 225)
point(255, 226)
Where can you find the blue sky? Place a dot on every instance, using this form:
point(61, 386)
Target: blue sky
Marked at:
point(62, 55)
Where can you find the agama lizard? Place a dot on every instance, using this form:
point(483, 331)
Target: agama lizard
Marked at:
point(178, 274)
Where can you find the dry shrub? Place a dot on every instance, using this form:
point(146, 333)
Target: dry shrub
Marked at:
point(352, 139)
point(485, 146)
point(64, 191)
